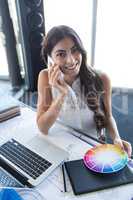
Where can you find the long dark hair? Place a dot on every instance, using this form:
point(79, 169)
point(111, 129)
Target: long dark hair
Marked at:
point(91, 82)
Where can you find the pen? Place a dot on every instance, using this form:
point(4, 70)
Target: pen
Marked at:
point(64, 179)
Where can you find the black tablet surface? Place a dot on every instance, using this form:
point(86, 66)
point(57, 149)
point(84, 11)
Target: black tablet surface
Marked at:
point(84, 180)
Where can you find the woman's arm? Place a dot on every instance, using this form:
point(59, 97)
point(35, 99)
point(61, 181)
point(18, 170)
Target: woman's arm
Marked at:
point(47, 108)
point(111, 124)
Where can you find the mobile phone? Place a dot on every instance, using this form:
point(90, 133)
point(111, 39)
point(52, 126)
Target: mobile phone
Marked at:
point(51, 62)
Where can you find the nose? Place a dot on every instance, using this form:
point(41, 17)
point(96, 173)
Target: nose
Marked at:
point(70, 59)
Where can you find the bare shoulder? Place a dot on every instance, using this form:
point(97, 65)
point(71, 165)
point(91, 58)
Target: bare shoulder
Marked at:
point(105, 79)
point(43, 74)
point(44, 91)
point(43, 78)
point(106, 83)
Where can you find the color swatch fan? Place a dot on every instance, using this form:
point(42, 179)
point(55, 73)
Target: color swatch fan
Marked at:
point(105, 158)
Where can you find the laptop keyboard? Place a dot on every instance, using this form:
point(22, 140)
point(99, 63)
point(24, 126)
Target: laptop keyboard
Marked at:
point(28, 161)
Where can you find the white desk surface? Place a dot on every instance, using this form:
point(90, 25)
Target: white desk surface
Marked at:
point(24, 127)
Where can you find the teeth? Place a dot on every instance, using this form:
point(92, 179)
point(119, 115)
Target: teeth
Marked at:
point(72, 66)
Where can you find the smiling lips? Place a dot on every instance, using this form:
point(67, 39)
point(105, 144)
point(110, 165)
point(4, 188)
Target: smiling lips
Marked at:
point(73, 66)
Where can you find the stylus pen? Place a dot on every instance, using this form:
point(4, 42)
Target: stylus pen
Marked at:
point(64, 178)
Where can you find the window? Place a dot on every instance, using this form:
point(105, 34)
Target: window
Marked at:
point(76, 13)
point(114, 41)
point(13, 14)
point(3, 61)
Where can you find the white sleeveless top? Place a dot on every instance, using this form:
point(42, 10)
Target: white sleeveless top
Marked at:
point(74, 111)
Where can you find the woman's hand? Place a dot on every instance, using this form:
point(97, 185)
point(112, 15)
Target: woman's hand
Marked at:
point(126, 146)
point(55, 79)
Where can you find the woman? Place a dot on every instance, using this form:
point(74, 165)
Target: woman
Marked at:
point(73, 92)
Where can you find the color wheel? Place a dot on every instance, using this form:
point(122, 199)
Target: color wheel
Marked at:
point(105, 158)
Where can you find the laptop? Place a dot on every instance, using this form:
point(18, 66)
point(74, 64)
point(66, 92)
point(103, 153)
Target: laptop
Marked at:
point(28, 163)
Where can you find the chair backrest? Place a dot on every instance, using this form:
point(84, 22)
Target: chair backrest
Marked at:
point(122, 108)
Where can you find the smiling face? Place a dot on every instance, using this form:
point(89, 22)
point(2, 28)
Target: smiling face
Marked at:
point(67, 56)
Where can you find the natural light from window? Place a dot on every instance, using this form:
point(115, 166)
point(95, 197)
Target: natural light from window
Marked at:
point(114, 41)
point(74, 13)
point(3, 61)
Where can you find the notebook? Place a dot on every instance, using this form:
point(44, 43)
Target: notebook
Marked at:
point(9, 108)
point(84, 180)
point(28, 164)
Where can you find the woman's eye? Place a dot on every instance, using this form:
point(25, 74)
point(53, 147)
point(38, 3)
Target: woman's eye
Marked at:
point(75, 49)
point(61, 55)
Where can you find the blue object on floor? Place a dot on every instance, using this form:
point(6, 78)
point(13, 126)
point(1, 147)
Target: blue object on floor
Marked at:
point(6, 194)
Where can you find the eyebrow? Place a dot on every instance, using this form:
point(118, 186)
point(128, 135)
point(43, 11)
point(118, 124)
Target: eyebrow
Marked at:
point(63, 50)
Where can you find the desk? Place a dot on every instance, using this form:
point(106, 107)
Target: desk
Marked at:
point(24, 127)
